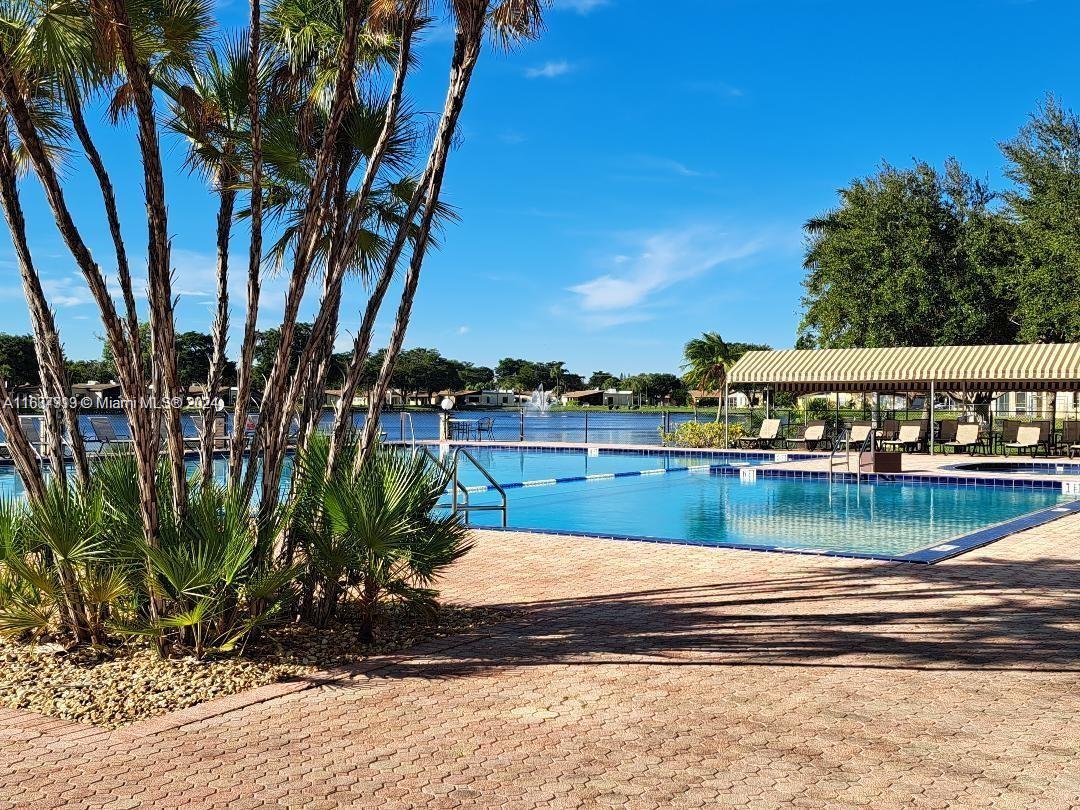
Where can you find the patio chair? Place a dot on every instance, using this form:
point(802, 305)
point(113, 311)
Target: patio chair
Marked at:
point(966, 438)
point(1070, 436)
point(31, 429)
point(1009, 427)
point(889, 429)
point(946, 433)
point(768, 433)
point(858, 433)
point(221, 437)
point(485, 425)
point(811, 435)
point(909, 437)
point(1028, 437)
point(105, 434)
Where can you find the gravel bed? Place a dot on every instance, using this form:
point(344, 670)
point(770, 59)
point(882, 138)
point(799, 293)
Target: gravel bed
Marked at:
point(119, 685)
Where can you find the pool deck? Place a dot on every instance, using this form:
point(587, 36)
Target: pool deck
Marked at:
point(644, 676)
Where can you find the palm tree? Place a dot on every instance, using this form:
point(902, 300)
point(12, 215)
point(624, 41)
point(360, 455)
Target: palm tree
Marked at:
point(509, 21)
point(209, 103)
point(708, 359)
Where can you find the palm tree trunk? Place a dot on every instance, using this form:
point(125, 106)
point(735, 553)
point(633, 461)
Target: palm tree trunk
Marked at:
point(22, 452)
point(247, 348)
point(344, 241)
point(159, 287)
point(59, 409)
point(126, 354)
point(220, 329)
point(466, 52)
point(108, 196)
point(276, 414)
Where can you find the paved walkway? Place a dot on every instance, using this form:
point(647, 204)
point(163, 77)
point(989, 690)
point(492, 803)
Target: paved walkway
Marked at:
point(643, 676)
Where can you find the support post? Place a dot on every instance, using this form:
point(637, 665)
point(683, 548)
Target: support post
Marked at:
point(727, 435)
point(930, 431)
point(521, 413)
point(586, 426)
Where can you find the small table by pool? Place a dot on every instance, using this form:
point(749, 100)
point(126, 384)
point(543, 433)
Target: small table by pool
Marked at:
point(465, 427)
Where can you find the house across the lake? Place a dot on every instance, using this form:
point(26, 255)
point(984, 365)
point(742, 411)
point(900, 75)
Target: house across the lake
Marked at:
point(597, 397)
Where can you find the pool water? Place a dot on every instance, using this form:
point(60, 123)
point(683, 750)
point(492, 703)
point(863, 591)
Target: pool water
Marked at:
point(699, 497)
point(886, 520)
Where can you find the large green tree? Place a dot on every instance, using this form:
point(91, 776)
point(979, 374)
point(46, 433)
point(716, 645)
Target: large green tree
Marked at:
point(910, 257)
point(1044, 164)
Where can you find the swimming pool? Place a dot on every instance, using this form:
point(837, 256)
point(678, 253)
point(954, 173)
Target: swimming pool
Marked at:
point(898, 519)
point(727, 499)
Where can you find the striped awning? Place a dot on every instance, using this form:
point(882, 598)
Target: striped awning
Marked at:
point(1028, 367)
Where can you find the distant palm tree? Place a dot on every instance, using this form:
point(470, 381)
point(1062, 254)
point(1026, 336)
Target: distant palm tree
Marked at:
point(707, 361)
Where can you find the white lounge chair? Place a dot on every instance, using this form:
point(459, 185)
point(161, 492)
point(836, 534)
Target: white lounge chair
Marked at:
point(967, 437)
point(909, 438)
point(768, 433)
point(814, 433)
point(1028, 437)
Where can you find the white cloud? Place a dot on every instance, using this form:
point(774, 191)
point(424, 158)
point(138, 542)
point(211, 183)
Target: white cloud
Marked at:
point(580, 6)
point(549, 70)
point(463, 330)
point(662, 260)
point(66, 291)
point(669, 166)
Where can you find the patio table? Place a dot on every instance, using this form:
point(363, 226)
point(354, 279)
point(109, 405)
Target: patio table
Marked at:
point(465, 427)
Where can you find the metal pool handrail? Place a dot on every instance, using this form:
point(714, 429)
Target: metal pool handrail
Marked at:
point(464, 506)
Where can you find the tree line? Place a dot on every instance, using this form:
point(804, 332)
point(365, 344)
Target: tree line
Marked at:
point(417, 371)
point(921, 257)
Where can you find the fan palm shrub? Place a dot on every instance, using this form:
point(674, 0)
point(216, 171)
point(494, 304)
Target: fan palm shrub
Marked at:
point(371, 532)
point(57, 572)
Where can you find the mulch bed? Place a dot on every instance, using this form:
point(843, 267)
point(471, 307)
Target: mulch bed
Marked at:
point(115, 686)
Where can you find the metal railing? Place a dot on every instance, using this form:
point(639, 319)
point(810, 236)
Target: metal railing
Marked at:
point(459, 494)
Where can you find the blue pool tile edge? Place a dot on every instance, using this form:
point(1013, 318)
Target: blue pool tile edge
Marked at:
point(941, 550)
point(956, 546)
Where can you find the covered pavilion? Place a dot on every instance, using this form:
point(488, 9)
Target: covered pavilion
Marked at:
point(962, 371)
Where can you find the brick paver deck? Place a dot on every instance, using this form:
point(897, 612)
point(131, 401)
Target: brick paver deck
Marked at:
point(647, 675)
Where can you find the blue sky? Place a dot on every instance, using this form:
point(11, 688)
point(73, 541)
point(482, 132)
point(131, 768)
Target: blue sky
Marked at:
point(632, 179)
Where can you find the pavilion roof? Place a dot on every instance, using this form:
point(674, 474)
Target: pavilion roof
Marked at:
point(1023, 367)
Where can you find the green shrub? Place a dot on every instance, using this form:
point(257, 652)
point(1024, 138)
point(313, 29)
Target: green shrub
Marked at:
point(702, 434)
point(372, 532)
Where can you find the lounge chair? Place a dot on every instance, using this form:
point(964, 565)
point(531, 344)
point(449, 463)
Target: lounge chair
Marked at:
point(967, 437)
point(1070, 437)
point(768, 433)
point(105, 434)
point(889, 429)
point(1028, 437)
point(31, 429)
point(812, 435)
point(858, 433)
point(1008, 431)
point(946, 432)
point(221, 439)
point(909, 438)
